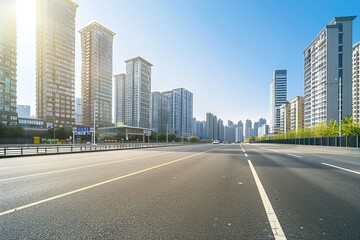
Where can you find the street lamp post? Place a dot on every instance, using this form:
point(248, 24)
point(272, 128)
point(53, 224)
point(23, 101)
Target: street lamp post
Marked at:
point(340, 105)
point(94, 141)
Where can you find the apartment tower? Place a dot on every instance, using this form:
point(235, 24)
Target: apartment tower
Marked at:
point(8, 114)
point(55, 61)
point(356, 82)
point(138, 92)
point(96, 74)
point(328, 73)
point(119, 106)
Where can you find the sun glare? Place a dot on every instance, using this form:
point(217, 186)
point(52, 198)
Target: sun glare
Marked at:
point(25, 10)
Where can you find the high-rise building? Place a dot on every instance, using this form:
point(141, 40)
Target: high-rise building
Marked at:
point(8, 64)
point(78, 111)
point(138, 92)
point(55, 61)
point(239, 132)
point(96, 74)
point(119, 98)
point(23, 111)
point(278, 95)
point(296, 113)
point(211, 126)
point(181, 105)
point(200, 129)
point(230, 132)
point(356, 82)
point(328, 73)
point(220, 130)
point(248, 129)
point(160, 113)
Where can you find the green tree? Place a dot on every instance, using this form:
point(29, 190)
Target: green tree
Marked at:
point(349, 127)
point(193, 139)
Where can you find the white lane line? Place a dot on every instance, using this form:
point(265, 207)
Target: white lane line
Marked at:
point(246, 155)
point(242, 148)
point(273, 220)
point(98, 184)
point(272, 150)
point(81, 167)
point(345, 169)
point(293, 155)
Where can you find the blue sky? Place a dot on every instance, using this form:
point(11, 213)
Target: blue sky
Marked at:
point(223, 51)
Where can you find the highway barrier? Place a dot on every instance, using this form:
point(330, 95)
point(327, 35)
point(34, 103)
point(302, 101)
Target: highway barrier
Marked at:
point(22, 150)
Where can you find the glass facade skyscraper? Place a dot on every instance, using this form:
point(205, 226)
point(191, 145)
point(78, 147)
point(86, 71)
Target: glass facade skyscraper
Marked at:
point(278, 95)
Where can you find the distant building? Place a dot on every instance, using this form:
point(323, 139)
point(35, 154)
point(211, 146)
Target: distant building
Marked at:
point(138, 92)
point(8, 65)
point(239, 132)
point(211, 127)
point(296, 113)
point(55, 61)
point(200, 129)
point(248, 127)
point(284, 118)
point(356, 82)
point(181, 108)
point(119, 105)
point(96, 74)
point(23, 111)
point(263, 130)
point(220, 130)
point(160, 113)
point(278, 95)
point(327, 62)
point(78, 111)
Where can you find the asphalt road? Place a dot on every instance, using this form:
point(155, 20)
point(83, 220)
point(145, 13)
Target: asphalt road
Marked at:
point(184, 192)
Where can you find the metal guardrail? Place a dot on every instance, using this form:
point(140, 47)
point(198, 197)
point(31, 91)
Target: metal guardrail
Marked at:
point(22, 150)
point(344, 141)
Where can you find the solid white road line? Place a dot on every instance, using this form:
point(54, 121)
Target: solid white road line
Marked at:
point(345, 169)
point(273, 220)
point(81, 167)
point(293, 155)
point(272, 150)
point(246, 155)
point(98, 184)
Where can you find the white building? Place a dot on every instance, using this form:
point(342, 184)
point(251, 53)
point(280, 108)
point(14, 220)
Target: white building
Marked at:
point(278, 95)
point(327, 62)
point(96, 74)
point(138, 92)
point(356, 82)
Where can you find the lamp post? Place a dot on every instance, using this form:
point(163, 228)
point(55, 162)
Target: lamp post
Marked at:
point(94, 141)
point(167, 133)
point(339, 82)
point(54, 129)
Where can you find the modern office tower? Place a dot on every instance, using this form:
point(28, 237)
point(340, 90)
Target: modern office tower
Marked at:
point(181, 105)
point(296, 106)
point(356, 82)
point(96, 74)
point(193, 127)
point(284, 118)
point(78, 111)
point(239, 132)
point(328, 73)
point(23, 111)
point(248, 127)
point(211, 126)
point(160, 113)
point(278, 94)
point(8, 81)
point(119, 106)
point(220, 130)
point(258, 124)
point(138, 92)
point(55, 61)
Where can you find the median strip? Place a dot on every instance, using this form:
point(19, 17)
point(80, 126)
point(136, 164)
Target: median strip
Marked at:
point(97, 184)
point(273, 220)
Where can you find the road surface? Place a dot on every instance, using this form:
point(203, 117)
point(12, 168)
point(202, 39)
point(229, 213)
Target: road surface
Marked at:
point(205, 191)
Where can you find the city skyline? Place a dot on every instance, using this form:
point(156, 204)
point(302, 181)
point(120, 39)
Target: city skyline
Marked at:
point(240, 66)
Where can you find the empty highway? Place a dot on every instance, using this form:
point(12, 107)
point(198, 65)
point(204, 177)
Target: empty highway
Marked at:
point(209, 191)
